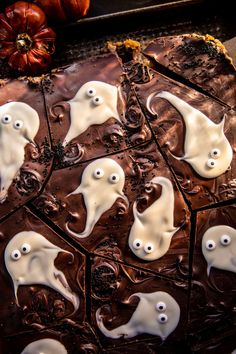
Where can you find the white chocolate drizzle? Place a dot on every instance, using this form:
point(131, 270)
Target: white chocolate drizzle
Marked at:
point(101, 184)
point(157, 313)
point(219, 248)
point(19, 124)
point(29, 259)
point(153, 229)
point(94, 103)
point(206, 147)
point(45, 346)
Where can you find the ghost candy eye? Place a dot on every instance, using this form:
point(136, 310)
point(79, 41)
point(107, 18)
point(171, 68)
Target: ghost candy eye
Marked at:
point(137, 244)
point(98, 173)
point(211, 163)
point(18, 124)
point(114, 178)
point(161, 306)
point(91, 92)
point(15, 255)
point(210, 245)
point(148, 248)
point(25, 248)
point(162, 318)
point(225, 240)
point(6, 119)
point(97, 100)
point(215, 153)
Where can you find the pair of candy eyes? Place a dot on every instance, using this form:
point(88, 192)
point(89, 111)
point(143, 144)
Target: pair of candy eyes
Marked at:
point(161, 307)
point(18, 124)
point(148, 247)
point(97, 100)
point(16, 254)
point(215, 154)
point(224, 240)
point(113, 178)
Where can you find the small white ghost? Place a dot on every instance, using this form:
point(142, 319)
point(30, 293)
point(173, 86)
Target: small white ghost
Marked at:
point(19, 124)
point(94, 103)
point(45, 346)
point(206, 147)
point(101, 184)
point(219, 248)
point(157, 313)
point(29, 259)
point(151, 233)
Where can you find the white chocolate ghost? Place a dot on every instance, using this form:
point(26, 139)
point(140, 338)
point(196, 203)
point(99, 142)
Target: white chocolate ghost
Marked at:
point(29, 259)
point(219, 248)
point(94, 103)
point(101, 184)
point(152, 230)
point(206, 147)
point(19, 123)
point(45, 346)
point(157, 313)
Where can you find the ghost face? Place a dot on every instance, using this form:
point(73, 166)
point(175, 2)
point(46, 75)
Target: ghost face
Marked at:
point(219, 248)
point(206, 147)
point(157, 313)
point(45, 346)
point(19, 123)
point(29, 259)
point(152, 230)
point(102, 183)
point(94, 103)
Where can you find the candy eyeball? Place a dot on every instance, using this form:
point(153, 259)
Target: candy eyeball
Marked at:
point(162, 318)
point(161, 306)
point(148, 247)
point(211, 163)
point(98, 173)
point(25, 248)
point(137, 244)
point(97, 100)
point(6, 119)
point(15, 255)
point(225, 240)
point(210, 245)
point(18, 124)
point(114, 178)
point(215, 153)
point(91, 92)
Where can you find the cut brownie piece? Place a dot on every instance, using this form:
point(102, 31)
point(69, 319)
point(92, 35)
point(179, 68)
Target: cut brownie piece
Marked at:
point(42, 276)
point(129, 305)
point(25, 156)
point(202, 60)
point(92, 111)
point(125, 206)
point(197, 135)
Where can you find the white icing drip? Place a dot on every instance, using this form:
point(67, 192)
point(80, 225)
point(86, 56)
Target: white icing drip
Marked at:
point(45, 346)
point(37, 265)
point(94, 103)
point(222, 256)
point(154, 227)
point(99, 193)
point(202, 137)
point(14, 136)
point(146, 318)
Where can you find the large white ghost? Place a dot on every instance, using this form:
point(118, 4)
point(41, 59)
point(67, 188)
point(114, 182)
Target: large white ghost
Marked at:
point(151, 233)
point(29, 259)
point(45, 346)
point(94, 103)
point(19, 123)
point(206, 147)
point(157, 313)
point(219, 248)
point(101, 184)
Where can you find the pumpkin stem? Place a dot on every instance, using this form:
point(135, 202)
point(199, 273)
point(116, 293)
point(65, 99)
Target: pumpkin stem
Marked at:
point(23, 42)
